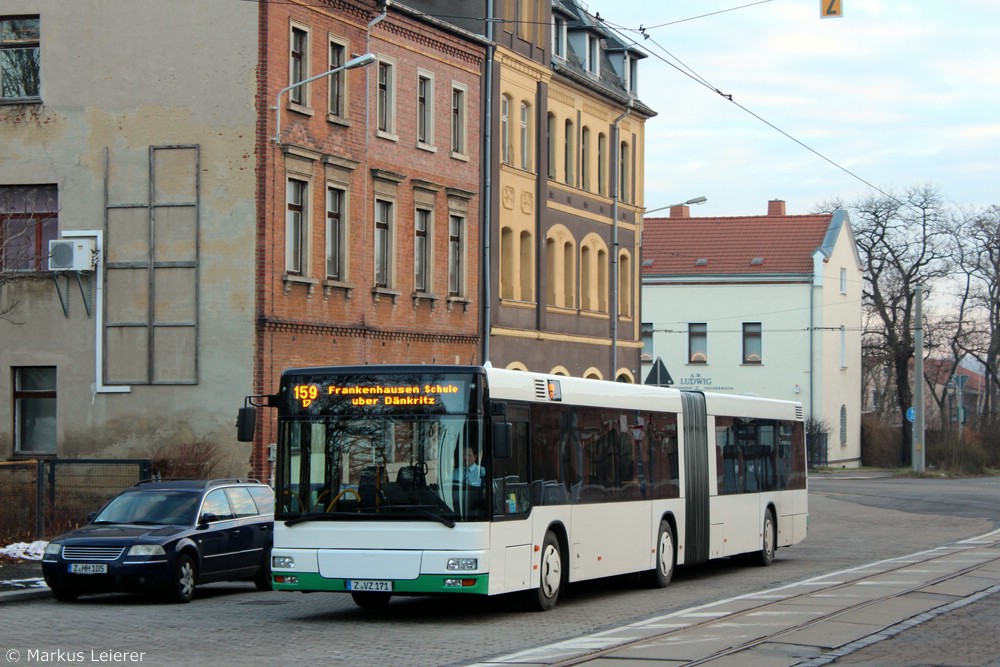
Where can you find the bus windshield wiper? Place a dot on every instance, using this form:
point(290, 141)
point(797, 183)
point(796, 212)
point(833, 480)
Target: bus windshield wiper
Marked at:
point(424, 511)
point(338, 516)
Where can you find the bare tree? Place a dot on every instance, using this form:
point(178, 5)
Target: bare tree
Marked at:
point(903, 242)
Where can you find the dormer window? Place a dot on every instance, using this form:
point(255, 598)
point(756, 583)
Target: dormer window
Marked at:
point(632, 74)
point(593, 63)
point(559, 37)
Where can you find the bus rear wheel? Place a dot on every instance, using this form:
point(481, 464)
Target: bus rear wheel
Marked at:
point(768, 541)
point(661, 575)
point(545, 596)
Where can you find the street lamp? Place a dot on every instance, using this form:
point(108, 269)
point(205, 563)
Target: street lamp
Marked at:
point(689, 202)
point(360, 61)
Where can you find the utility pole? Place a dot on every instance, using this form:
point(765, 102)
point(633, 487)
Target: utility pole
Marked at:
point(918, 383)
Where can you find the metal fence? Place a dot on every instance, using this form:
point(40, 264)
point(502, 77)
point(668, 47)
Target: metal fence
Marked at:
point(41, 498)
point(816, 449)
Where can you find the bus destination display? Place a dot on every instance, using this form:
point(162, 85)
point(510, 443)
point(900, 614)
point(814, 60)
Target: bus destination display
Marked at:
point(311, 394)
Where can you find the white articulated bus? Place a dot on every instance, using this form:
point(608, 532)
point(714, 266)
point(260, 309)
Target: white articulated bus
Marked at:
point(430, 479)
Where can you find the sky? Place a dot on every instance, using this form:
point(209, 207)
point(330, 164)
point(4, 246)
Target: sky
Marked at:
point(894, 94)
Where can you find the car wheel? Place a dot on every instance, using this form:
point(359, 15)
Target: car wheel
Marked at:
point(184, 578)
point(371, 600)
point(262, 580)
point(62, 592)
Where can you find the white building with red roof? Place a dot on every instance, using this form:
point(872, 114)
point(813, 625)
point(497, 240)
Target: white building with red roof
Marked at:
point(767, 305)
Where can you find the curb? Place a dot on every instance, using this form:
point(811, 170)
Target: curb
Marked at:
point(25, 595)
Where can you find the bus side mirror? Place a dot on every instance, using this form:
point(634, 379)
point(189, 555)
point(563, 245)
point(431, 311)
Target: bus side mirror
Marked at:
point(246, 423)
point(501, 440)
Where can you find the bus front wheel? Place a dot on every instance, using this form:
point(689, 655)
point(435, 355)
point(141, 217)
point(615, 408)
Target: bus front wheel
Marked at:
point(661, 575)
point(768, 541)
point(371, 600)
point(545, 596)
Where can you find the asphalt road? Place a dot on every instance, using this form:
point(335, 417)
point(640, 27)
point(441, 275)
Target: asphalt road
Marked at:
point(854, 519)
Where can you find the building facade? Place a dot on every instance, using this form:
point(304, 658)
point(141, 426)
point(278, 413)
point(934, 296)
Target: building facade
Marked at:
point(765, 305)
point(208, 249)
point(137, 157)
point(369, 204)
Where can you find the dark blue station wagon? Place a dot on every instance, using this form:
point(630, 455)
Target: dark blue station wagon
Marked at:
point(167, 537)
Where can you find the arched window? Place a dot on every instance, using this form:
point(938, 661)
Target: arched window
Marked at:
point(505, 129)
point(585, 158)
point(507, 251)
point(525, 136)
point(602, 164)
point(624, 285)
point(527, 257)
point(551, 138)
point(625, 174)
point(569, 154)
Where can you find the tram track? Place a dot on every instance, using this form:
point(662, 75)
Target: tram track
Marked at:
point(816, 597)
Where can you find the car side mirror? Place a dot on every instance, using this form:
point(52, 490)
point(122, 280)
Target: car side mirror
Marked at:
point(207, 518)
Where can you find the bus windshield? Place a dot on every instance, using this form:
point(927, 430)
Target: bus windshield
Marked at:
point(377, 447)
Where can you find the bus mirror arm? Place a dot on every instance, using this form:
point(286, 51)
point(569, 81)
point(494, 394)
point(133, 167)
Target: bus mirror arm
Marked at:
point(501, 440)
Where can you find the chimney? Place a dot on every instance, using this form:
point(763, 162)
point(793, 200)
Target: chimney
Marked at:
point(680, 211)
point(776, 207)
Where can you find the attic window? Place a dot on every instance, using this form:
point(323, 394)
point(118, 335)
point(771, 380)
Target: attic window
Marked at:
point(647, 262)
point(756, 261)
point(701, 261)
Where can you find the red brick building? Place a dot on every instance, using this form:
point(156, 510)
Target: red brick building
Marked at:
point(368, 216)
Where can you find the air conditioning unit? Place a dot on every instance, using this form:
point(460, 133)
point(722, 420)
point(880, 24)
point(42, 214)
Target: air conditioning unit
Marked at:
point(71, 254)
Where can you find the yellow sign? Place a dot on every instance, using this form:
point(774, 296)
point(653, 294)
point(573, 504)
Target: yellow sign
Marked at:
point(829, 9)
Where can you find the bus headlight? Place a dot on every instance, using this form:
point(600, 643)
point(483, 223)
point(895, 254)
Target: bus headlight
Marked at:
point(463, 564)
point(282, 562)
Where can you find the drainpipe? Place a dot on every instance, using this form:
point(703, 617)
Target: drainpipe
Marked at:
point(487, 198)
point(615, 185)
point(99, 386)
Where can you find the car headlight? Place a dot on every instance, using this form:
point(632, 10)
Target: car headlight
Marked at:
point(53, 549)
point(146, 550)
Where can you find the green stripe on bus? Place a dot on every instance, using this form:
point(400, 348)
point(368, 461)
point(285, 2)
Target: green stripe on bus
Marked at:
point(424, 584)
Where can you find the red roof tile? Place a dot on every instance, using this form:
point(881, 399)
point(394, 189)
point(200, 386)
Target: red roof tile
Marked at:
point(674, 246)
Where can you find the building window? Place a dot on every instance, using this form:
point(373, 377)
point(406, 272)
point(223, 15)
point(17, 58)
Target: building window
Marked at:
point(751, 343)
point(843, 425)
point(525, 136)
point(425, 110)
point(625, 174)
point(385, 106)
point(383, 243)
point(585, 158)
point(458, 121)
point(646, 331)
point(624, 285)
point(35, 410)
point(456, 256)
point(20, 70)
point(421, 250)
point(550, 138)
point(593, 61)
point(632, 74)
point(29, 219)
point(559, 37)
point(298, 66)
point(295, 225)
point(602, 164)
point(698, 343)
point(843, 281)
point(505, 128)
point(569, 155)
point(338, 81)
point(335, 234)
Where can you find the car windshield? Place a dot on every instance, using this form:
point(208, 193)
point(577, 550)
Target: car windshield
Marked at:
point(151, 507)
